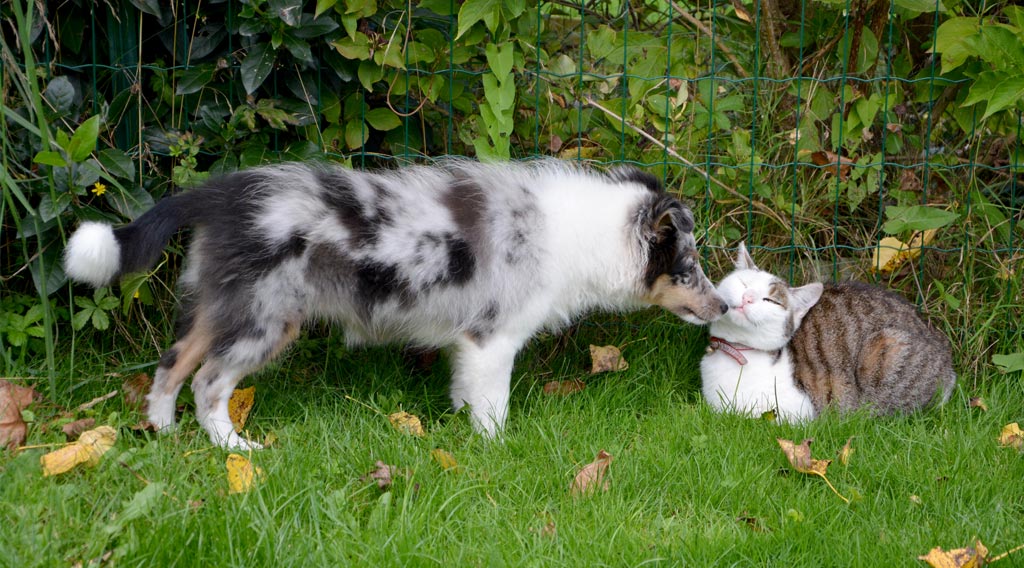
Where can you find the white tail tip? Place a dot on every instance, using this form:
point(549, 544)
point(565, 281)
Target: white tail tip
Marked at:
point(93, 255)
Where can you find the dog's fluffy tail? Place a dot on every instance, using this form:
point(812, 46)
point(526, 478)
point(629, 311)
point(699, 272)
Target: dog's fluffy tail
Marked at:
point(97, 253)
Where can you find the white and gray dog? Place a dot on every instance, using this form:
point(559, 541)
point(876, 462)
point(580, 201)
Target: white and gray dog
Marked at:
point(474, 257)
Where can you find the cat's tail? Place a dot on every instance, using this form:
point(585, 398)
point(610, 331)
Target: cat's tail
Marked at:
point(97, 253)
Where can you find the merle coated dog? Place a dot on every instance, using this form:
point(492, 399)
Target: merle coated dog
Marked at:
point(474, 257)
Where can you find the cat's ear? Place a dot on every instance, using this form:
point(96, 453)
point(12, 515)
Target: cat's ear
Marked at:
point(804, 298)
point(743, 260)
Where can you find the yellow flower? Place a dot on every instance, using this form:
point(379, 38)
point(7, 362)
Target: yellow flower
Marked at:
point(99, 189)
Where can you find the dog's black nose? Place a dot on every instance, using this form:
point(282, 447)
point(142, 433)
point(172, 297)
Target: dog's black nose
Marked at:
point(722, 306)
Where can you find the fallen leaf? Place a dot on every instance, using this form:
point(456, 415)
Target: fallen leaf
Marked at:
point(89, 448)
point(241, 474)
point(384, 474)
point(407, 423)
point(1012, 436)
point(144, 426)
point(891, 253)
point(978, 402)
point(269, 440)
point(742, 13)
point(555, 144)
point(445, 459)
point(14, 399)
point(970, 557)
point(239, 406)
point(799, 457)
point(607, 358)
point(846, 451)
point(591, 476)
point(755, 524)
point(564, 388)
point(826, 158)
point(135, 390)
point(894, 127)
point(74, 429)
point(916, 499)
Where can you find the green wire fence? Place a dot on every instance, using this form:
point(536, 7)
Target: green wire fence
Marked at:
point(827, 134)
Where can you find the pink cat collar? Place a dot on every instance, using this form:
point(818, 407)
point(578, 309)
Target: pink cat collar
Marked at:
point(733, 350)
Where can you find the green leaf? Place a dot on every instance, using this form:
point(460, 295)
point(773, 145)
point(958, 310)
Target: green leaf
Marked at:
point(355, 47)
point(83, 141)
point(604, 42)
point(117, 163)
point(192, 80)
point(369, 73)
point(1002, 48)
point(60, 93)
point(999, 90)
point(323, 5)
point(34, 314)
point(916, 218)
point(256, 67)
point(108, 303)
point(356, 134)
point(100, 320)
point(500, 59)
point(921, 5)
point(361, 8)
point(383, 119)
point(473, 11)
point(16, 338)
point(954, 41)
point(50, 158)
point(1009, 363)
point(81, 318)
point(439, 7)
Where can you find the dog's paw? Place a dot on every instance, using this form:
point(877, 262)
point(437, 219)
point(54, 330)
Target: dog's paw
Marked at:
point(235, 442)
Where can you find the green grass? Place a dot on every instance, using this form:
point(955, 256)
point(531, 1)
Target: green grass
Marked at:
point(687, 486)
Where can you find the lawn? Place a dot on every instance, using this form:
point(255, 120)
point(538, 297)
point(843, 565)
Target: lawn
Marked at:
point(686, 486)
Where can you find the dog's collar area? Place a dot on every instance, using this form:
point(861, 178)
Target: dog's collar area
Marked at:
point(734, 350)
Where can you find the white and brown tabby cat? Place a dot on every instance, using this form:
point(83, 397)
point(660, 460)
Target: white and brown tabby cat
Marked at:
point(800, 350)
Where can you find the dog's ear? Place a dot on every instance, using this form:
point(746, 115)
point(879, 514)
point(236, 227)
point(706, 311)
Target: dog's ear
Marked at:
point(671, 218)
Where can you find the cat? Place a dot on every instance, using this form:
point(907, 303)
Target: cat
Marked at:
point(800, 350)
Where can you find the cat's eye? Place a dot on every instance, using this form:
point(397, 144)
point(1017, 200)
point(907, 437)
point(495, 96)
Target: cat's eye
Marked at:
point(771, 301)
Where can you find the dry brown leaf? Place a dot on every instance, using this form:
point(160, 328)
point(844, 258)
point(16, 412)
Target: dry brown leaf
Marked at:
point(742, 13)
point(144, 426)
point(755, 524)
point(89, 448)
point(605, 359)
point(135, 390)
point(384, 474)
point(846, 451)
point(241, 473)
point(74, 429)
point(891, 253)
point(591, 476)
point(407, 423)
point(555, 144)
point(445, 459)
point(970, 557)
point(239, 405)
point(799, 457)
point(978, 402)
point(14, 399)
point(1012, 436)
point(564, 388)
point(826, 158)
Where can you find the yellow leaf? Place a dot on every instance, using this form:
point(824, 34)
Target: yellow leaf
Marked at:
point(1012, 436)
point(241, 474)
point(444, 459)
point(891, 252)
point(89, 448)
point(846, 452)
point(799, 457)
point(406, 423)
point(607, 358)
point(591, 476)
point(970, 557)
point(239, 406)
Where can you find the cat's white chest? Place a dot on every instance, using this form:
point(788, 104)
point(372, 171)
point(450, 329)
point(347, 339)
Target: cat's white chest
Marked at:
point(764, 383)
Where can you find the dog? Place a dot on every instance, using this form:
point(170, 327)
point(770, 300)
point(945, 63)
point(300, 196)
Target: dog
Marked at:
point(473, 257)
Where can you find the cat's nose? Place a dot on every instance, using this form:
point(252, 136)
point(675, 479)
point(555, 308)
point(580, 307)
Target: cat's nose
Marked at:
point(748, 297)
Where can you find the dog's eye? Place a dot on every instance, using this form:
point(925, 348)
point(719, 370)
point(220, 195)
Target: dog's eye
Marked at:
point(771, 301)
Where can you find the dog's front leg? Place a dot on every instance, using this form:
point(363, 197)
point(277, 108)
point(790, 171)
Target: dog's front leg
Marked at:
point(482, 378)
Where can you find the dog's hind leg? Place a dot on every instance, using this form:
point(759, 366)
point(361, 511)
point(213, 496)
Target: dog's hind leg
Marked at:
point(176, 364)
point(482, 379)
point(219, 375)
